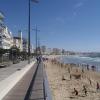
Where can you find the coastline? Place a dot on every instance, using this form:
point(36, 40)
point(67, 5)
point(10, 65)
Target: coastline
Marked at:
point(62, 85)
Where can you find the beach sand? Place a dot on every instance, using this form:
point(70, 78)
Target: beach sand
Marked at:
point(62, 89)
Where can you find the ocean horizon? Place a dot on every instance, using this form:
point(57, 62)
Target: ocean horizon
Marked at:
point(80, 60)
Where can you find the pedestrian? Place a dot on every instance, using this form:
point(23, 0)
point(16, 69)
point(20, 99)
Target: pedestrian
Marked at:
point(70, 76)
point(68, 70)
point(87, 67)
point(85, 90)
point(82, 70)
point(90, 81)
point(75, 92)
point(37, 59)
point(98, 86)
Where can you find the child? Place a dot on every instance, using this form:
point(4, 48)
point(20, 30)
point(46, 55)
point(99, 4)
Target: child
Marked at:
point(75, 92)
point(85, 90)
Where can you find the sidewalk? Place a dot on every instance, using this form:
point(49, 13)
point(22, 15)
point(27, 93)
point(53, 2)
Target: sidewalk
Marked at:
point(7, 71)
point(5, 64)
point(11, 75)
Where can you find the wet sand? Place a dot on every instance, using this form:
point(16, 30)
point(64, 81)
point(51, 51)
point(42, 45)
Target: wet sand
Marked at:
point(62, 85)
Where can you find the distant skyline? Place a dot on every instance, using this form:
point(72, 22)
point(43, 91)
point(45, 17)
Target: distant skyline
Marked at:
point(70, 24)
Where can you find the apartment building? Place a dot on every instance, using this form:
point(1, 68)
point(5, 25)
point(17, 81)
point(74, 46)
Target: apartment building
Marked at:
point(6, 39)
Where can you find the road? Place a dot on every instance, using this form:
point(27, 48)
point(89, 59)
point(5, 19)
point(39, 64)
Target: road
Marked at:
point(7, 71)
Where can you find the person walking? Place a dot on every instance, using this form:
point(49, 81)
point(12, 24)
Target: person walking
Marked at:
point(90, 81)
point(85, 90)
point(97, 87)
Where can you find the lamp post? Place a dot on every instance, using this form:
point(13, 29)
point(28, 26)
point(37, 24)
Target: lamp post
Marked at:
point(29, 34)
point(29, 3)
point(36, 38)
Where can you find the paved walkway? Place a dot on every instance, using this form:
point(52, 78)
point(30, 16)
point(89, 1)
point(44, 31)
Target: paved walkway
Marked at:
point(7, 71)
point(38, 86)
point(20, 89)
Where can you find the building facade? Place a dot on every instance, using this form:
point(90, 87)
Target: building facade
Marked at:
point(6, 39)
point(25, 45)
point(18, 41)
point(43, 49)
point(56, 51)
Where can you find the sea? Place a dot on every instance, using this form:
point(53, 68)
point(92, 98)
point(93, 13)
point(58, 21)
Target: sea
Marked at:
point(76, 59)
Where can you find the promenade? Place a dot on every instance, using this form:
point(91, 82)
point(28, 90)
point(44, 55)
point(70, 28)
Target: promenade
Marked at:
point(7, 71)
point(24, 82)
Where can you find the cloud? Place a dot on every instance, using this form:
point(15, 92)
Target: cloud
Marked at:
point(74, 13)
point(78, 5)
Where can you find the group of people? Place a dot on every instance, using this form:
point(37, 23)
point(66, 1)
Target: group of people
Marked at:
point(39, 58)
point(84, 88)
point(77, 93)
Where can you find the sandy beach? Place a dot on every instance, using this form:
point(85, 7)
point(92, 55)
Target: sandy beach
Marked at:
point(64, 78)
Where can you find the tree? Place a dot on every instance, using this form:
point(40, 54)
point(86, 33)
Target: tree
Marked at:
point(24, 55)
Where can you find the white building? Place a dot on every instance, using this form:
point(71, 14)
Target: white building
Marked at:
point(18, 41)
point(48, 51)
point(25, 45)
point(31, 48)
point(6, 39)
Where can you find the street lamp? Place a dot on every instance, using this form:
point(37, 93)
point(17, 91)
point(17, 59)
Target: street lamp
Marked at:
point(36, 38)
point(29, 3)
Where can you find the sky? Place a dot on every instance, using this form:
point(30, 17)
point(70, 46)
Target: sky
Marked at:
point(70, 24)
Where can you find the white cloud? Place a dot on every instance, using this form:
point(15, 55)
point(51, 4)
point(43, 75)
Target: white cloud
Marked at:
point(78, 5)
point(74, 13)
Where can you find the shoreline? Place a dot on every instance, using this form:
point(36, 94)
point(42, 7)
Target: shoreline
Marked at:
point(62, 85)
point(90, 66)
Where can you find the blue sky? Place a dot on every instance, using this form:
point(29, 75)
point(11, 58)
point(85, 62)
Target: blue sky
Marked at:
point(69, 24)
